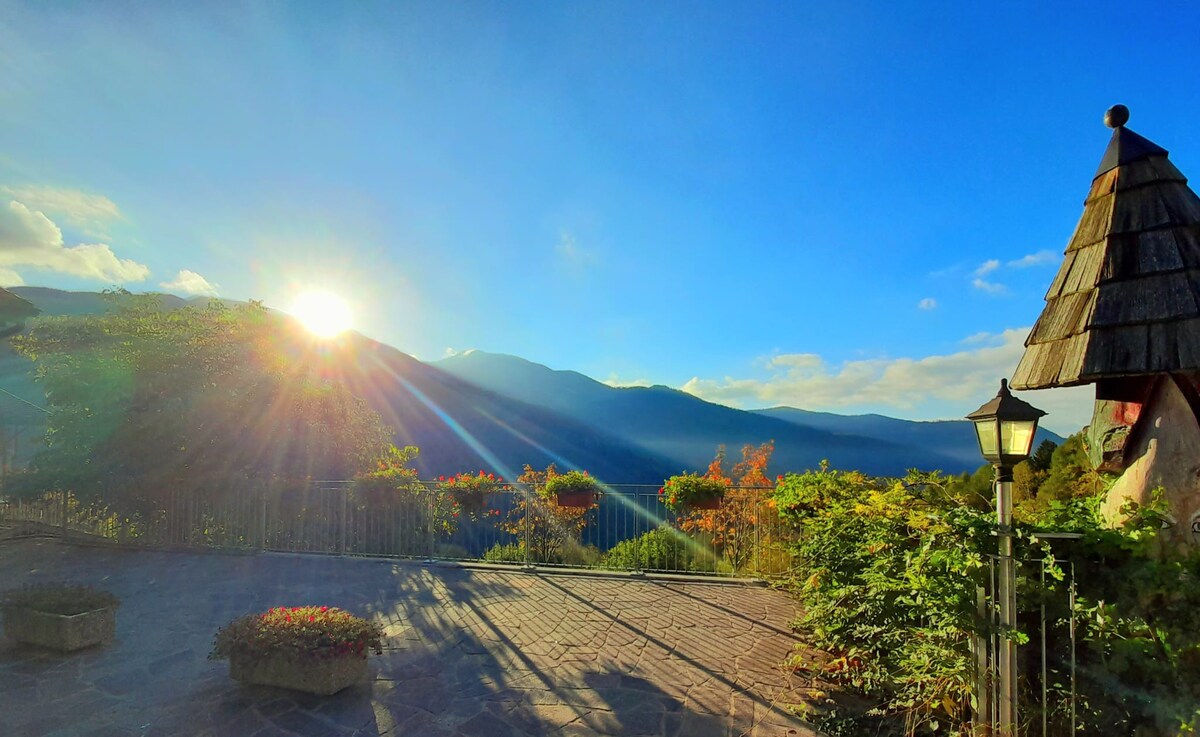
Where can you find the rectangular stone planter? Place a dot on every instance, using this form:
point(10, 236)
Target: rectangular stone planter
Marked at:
point(59, 631)
point(324, 676)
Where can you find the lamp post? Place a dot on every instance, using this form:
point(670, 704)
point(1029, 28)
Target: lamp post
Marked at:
point(1005, 427)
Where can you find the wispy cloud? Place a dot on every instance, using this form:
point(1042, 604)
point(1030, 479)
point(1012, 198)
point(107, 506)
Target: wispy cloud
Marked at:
point(30, 239)
point(929, 303)
point(987, 267)
point(931, 386)
point(615, 381)
point(1034, 259)
point(90, 213)
point(984, 285)
point(189, 282)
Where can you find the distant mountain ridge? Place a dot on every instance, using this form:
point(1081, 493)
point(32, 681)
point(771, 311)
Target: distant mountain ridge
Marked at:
point(457, 426)
point(679, 425)
point(498, 412)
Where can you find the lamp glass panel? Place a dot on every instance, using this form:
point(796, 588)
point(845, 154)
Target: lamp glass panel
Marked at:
point(988, 440)
point(1016, 437)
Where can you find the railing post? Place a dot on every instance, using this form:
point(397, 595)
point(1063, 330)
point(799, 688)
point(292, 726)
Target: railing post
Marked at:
point(431, 512)
point(344, 498)
point(530, 509)
point(262, 516)
point(63, 512)
point(979, 646)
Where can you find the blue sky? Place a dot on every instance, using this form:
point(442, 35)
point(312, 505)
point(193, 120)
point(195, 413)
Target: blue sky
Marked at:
point(842, 206)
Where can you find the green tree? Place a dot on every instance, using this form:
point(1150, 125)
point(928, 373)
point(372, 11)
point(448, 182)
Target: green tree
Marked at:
point(1070, 473)
point(145, 400)
point(1043, 455)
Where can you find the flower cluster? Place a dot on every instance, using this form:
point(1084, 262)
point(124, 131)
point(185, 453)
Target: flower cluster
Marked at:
point(469, 492)
point(316, 631)
point(678, 492)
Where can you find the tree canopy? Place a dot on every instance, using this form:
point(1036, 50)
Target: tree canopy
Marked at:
point(195, 399)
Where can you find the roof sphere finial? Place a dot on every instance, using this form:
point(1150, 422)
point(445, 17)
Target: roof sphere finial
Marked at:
point(1116, 116)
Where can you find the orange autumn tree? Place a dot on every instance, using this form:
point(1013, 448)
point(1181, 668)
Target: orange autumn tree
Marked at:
point(537, 520)
point(734, 529)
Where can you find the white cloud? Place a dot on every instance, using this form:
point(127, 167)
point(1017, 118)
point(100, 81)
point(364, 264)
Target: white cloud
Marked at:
point(88, 212)
point(987, 267)
point(931, 387)
point(29, 238)
point(10, 278)
point(984, 285)
point(612, 380)
point(929, 303)
point(1034, 259)
point(189, 282)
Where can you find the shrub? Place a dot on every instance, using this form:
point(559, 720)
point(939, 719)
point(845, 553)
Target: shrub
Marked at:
point(660, 549)
point(683, 490)
point(64, 599)
point(510, 553)
point(317, 631)
point(887, 571)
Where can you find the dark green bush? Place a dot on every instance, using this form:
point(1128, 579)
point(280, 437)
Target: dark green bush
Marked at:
point(662, 549)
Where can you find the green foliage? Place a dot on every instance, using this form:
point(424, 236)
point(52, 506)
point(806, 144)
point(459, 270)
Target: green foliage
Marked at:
point(195, 400)
point(885, 576)
point(572, 482)
point(1043, 455)
point(316, 631)
point(65, 599)
point(508, 553)
point(888, 570)
point(663, 548)
point(681, 491)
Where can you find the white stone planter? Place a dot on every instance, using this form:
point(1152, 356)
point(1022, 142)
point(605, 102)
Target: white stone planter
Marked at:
point(323, 676)
point(60, 631)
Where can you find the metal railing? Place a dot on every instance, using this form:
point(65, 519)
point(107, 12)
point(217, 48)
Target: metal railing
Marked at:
point(628, 528)
point(1046, 660)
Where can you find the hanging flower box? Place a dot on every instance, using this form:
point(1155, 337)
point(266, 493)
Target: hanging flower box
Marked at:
point(689, 491)
point(319, 650)
point(573, 489)
point(470, 492)
point(63, 618)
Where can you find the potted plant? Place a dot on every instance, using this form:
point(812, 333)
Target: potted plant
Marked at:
point(573, 489)
point(470, 491)
point(316, 649)
point(60, 616)
point(692, 491)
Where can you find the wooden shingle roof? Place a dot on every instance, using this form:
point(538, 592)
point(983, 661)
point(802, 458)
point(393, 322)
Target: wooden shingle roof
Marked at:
point(1126, 300)
point(14, 308)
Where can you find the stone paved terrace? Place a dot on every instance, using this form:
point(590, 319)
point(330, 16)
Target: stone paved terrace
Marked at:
point(468, 651)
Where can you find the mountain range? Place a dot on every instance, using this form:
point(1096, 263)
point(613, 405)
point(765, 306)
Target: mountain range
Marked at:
point(497, 412)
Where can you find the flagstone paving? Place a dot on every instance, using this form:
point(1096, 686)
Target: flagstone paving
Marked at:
point(468, 651)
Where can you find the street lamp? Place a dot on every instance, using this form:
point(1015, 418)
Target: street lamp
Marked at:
point(1005, 427)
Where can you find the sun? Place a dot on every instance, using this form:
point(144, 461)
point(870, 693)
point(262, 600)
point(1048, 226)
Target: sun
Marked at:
point(323, 314)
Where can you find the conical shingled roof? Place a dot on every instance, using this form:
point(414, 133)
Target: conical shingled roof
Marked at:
point(14, 308)
point(1126, 300)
